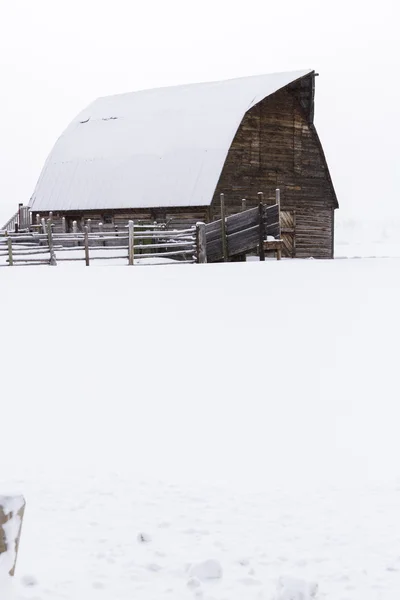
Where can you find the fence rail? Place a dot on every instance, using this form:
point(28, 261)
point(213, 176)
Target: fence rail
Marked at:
point(135, 245)
point(228, 238)
point(241, 233)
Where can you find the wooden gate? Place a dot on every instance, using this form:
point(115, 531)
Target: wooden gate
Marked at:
point(288, 233)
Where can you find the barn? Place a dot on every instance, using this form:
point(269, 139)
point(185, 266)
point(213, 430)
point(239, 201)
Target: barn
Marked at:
point(167, 154)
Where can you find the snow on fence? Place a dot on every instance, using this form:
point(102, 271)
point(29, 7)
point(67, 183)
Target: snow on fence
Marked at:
point(134, 245)
point(228, 238)
point(12, 510)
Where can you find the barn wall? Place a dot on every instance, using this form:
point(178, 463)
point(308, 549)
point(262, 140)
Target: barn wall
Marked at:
point(177, 218)
point(275, 146)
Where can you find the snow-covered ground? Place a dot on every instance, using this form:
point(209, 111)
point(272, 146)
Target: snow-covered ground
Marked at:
point(203, 431)
point(368, 238)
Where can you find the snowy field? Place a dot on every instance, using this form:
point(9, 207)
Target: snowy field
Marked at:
point(244, 416)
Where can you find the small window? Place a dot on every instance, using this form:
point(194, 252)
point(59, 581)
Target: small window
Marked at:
point(107, 220)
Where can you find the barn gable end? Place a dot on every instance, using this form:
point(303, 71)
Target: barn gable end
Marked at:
point(277, 146)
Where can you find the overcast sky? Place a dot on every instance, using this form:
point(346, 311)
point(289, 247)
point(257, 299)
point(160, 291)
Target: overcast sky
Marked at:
point(57, 56)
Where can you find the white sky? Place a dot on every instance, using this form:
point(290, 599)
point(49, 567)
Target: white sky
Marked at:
point(57, 56)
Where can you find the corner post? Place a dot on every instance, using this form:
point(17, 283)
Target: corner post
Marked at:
point(261, 251)
point(201, 243)
point(278, 202)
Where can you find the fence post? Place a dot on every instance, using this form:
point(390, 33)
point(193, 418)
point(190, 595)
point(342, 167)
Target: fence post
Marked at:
point(43, 222)
point(37, 219)
point(89, 225)
point(223, 229)
point(12, 510)
point(278, 202)
point(244, 204)
point(86, 245)
point(260, 197)
point(131, 242)
point(261, 250)
point(74, 227)
point(201, 243)
point(10, 254)
point(102, 242)
point(64, 225)
point(53, 261)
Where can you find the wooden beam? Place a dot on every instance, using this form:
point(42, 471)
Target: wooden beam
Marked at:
point(131, 242)
point(261, 231)
point(10, 252)
point(86, 231)
point(53, 261)
point(201, 242)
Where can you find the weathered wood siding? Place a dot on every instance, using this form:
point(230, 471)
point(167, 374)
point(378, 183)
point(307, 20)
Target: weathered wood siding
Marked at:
point(276, 145)
point(176, 218)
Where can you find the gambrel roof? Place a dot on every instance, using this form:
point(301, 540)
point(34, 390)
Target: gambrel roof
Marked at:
point(154, 148)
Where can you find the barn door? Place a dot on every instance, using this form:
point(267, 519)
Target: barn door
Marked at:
point(288, 233)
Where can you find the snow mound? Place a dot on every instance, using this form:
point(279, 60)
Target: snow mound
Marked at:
point(193, 583)
point(290, 588)
point(208, 569)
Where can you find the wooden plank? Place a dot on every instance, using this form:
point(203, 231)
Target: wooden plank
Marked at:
point(213, 227)
point(244, 241)
point(214, 235)
point(201, 243)
point(272, 213)
point(273, 230)
point(214, 251)
point(242, 220)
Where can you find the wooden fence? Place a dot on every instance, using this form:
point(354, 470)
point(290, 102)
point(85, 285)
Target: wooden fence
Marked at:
point(21, 220)
point(136, 243)
point(228, 238)
point(244, 232)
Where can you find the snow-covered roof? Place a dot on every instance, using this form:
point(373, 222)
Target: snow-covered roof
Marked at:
point(153, 148)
